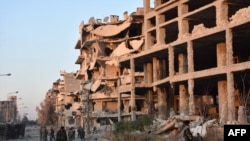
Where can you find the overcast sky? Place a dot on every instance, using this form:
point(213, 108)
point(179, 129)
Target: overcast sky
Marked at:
point(37, 39)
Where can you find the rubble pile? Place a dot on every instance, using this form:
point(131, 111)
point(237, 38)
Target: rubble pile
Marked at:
point(172, 128)
point(169, 130)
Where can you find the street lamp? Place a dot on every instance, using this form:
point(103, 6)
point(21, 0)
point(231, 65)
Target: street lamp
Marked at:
point(15, 92)
point(8, 74)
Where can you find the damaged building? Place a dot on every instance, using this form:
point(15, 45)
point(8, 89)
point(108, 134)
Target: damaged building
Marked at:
point(107, 85)
point(66, 98)
point(183, 56)
point(8, 110)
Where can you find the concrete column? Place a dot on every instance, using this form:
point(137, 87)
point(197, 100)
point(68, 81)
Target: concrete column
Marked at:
point(182, 61)
point(230, 97)
point(182, 24)
point(148, 38)
point(157, 2)
point(145, 73)
point(146, 5)
point(221, 54)
point(156, 70)
point(148, 71)
point(146, 25)
point(150, 101)
point(171, 61)
point(170, 97)
point(229, 46)
point(191, 96)
point(132, 99)
point(230, 77)
point(190, 56)
point(221, 13)
point(160, 32)
point(163, 67)
point(222, 100)
point(162, 104)
point(183, 100)
point(119, 100)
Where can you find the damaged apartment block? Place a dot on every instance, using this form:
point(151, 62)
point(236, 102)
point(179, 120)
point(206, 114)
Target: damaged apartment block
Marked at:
point(106, 84)
point(190, 57)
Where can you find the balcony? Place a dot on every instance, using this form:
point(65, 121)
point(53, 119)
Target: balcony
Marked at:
point(79, 59)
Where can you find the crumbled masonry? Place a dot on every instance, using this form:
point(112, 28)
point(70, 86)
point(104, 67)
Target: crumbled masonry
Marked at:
point(179, 60)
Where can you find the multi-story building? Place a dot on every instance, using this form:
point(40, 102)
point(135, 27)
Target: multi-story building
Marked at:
point(68, 100)
point(196, 50)
point(101, 43)
point(8, 110)
point(186, 55)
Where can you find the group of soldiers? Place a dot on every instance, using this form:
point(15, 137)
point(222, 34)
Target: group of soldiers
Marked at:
point(61, 134)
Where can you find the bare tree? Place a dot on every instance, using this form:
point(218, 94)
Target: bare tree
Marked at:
point(46, 113)
point(244, 94)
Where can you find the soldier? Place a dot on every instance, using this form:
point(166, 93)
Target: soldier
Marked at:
point(71, 134)
point(61, 135)
point(52, 134)
point(81, 133)
point(44, 133)
point(41, 129)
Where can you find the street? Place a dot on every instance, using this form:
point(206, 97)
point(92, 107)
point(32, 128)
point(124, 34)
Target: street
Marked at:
point(32, 134)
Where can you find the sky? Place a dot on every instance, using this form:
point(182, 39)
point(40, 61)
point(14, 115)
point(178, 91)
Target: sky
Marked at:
point(37, 40)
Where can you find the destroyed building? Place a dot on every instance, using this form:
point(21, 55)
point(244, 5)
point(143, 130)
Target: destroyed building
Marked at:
point(10, 125)
point(196, 54)
point(8, 110)
point(67, 100)
point(189, 56)
point(101, 43)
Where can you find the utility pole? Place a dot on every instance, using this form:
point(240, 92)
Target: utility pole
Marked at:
point(86, 86)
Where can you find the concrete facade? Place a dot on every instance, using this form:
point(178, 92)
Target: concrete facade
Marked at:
point(8, 110)
point(186, 55)
point(106, 85)
point(67, 100)
point(201, 41)
point(192, 57)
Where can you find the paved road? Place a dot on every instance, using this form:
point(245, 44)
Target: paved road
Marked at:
point(32, 134)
